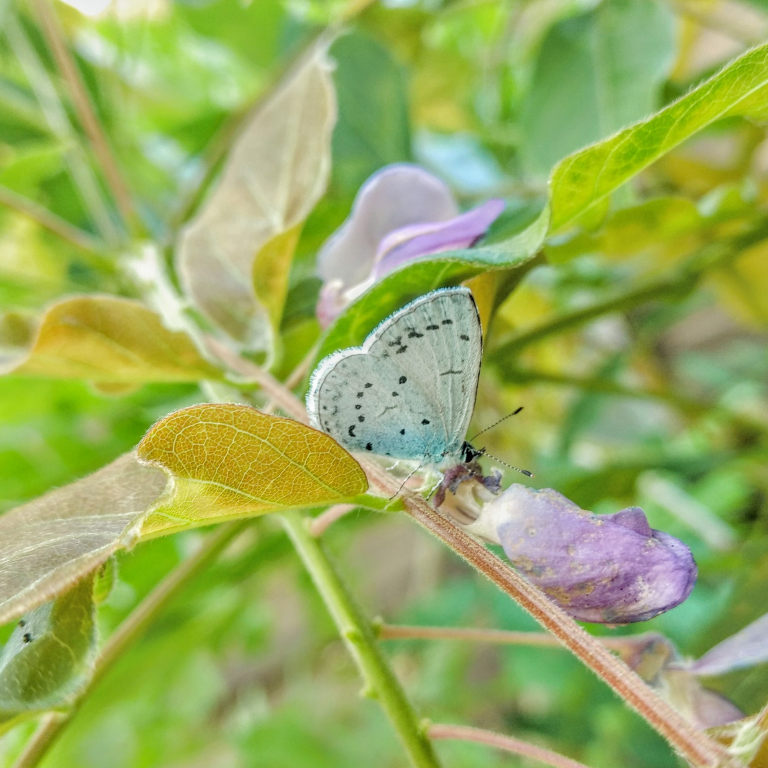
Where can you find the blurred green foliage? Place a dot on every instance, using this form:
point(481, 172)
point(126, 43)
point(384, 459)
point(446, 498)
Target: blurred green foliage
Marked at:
point(669, 393)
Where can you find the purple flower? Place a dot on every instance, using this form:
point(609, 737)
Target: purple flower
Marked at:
point(400, 213)
point(604, 568)
point(658, 662)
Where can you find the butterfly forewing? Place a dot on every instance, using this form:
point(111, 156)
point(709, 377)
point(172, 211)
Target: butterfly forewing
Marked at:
point(409, 391)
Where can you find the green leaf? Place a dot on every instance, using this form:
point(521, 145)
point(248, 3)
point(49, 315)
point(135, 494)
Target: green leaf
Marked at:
point(373, 128)
point(112, 341)
point(232, 461)
point(583, 180)
point(594, 74)
point(274, 175)
point(47, 660)
point(50, 543)
point(423, 275)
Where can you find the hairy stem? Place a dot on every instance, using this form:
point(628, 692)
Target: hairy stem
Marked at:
point(128, 632)
point(360, 640)
point(500, 741)
point(696, 747)
point(692, 744)
point(676, 285)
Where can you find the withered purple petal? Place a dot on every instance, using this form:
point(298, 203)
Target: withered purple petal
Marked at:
point(747, 647)
point(407, 243)
point(602, 568)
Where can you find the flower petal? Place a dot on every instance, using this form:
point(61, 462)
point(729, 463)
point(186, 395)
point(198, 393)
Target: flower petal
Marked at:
point(602, 568)
point(410, 242)
point(394, 197)
point(706, 708)
point(747, 647)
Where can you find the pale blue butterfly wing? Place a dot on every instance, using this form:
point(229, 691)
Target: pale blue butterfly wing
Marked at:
point(409, 391)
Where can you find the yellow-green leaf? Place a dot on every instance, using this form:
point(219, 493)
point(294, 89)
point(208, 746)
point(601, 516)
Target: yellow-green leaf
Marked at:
point(111, 341)
point(583, 180)
point(232, 461)
point(48, 658)
point(271, 268)
point(51, 542)
point(274, 175)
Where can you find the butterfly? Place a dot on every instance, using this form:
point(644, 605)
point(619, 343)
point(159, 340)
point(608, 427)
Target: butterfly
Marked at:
point(409, 391)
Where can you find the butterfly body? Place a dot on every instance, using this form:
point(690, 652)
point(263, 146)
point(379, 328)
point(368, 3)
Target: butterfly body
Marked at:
point(409, 391)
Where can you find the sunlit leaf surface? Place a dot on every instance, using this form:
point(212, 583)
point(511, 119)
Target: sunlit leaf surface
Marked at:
point(598, 72)
point(48, 544)
point(229, 461)
point(112, 341)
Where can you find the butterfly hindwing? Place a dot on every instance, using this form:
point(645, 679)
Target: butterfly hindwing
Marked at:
point(409, 391)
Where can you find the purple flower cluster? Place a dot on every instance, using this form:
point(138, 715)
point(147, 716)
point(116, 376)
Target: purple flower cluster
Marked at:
point(611, 569)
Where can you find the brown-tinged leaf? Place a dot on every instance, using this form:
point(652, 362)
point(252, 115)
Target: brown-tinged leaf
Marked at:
point(271, 268)
point(232, 461)
point(111, 341)
point(274, 175)
point(51, 542)
point(48, 658)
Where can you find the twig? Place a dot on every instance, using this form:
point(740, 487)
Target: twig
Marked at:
point(500, 741)
point(51, 222)
point(494, 636)
point(679, 284)
point(127, 633)
point(59, 123)
point(697, 748)
point(82, 103)
point(321, 523)
point(361, 643)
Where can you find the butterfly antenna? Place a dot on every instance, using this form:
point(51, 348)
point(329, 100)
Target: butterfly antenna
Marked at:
point(496, 424)
point(525, 472)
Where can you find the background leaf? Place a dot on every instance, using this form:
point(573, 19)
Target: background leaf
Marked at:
point(48, 544)
point(274, 175)
point(596, 73)
point(113, 341)
point(231, 461)
point(372, 130)
point(47, 659)
point(584, 179)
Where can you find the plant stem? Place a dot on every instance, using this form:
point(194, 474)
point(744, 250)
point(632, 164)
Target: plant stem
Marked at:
point(128, 632)
point(690, 406)
point(359, 638)
point(321, 523)
point(658, 289)
point(500, 741)
point(692, 744)
point(82, 103)
point(59, 123)
point(494, 636)
point(53, 223)
point(678, 284)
